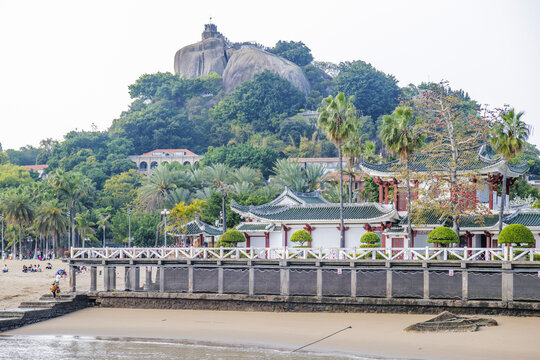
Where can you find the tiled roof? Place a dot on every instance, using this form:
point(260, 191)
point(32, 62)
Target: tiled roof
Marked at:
point(169, 151)
point(529, 218)
point(288, 197)
point(476, 221)
point(317, 160)
point(316, 212)
point(435, 162)
point(36, 167)
point(197, 227)
point(246, 226)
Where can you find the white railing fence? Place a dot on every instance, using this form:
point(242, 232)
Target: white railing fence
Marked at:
point(427, 253)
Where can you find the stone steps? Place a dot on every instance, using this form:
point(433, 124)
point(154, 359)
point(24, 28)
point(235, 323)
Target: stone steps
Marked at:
point(47, 307)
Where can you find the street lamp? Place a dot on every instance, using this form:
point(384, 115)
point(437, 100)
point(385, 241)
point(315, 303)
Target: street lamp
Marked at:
point(129, 226)
point(84, 241)
point(165, 213)
point(3, 255)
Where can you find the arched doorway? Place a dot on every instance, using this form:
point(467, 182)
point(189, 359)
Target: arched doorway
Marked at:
point(143, 166)
point(153, 165)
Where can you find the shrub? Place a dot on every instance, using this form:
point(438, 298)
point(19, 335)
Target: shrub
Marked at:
point(370, 239)
point(301, 236)
point(443, 235)
point(231, 238)
point(516, 234)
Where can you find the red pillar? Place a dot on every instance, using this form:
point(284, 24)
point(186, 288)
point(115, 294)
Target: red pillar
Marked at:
point(490, 196)
point(286, 229)
point(201, 240)
point(213, 244)
point(386, 186)
point(267, 239)
point(396, 195)
point(248, 240)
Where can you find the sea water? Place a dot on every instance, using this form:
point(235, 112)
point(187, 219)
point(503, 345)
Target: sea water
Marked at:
point(32, 347)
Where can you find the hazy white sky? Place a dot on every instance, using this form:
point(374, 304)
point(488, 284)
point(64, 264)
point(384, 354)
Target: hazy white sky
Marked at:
point(67, 64)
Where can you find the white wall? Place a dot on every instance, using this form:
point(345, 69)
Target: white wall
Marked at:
point(276, 239)
point(421, 241)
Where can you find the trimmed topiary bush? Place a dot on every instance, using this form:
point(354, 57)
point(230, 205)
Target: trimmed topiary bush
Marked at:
point(231, 238)
point(302, 237)
point(370, 239)
point(443, 235)
point(516, 234)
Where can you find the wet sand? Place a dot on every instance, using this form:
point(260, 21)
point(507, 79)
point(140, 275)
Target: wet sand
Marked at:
point(371, 334)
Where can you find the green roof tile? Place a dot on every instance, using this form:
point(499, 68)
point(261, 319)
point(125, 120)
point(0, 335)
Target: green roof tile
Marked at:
point(524, 217)
point(196, 227)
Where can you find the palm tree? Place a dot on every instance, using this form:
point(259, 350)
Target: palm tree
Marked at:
point(19, 211)
point(288, 173)
point(220, 177)
point(402, 138)
point(83, 225)
point(352, 149)
point(73, 189)
point(508, 137)
point(102, 224)
point(51, 220)
point(337, 120)
point(157, 187)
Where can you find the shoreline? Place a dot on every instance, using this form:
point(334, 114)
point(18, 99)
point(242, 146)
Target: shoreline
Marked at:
point(372, 335)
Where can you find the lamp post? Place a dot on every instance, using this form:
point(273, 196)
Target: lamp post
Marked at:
point(84, 241)
point(165, 213)
point(129, 226)
point(3, 255)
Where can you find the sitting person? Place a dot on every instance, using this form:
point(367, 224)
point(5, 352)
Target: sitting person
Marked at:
point(24, 269)
point(5, 269)
point(49, 266)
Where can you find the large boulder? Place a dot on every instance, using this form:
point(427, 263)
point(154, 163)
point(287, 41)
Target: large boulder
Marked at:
point(246, 62)
point(201, 58)
point(235, 62)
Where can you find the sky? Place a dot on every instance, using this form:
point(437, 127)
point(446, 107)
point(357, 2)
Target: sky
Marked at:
point(67, 65)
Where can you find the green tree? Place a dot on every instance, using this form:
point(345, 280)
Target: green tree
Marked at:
point(302, 237)
point(262, 103)
point(402, 137)
point(157, 188)
point(375, 93)
point(51, 220)
point(19, 211)
point(508, 137)
point(443, 235)
point(230, 238)
point(336, 119)
point(102, 224)
point(294, 51)
point(516, 234)
point(14, 176)
point(370, 240)
point(121, 189)
point(221, 178)
point(235, 156)
point(84, 226)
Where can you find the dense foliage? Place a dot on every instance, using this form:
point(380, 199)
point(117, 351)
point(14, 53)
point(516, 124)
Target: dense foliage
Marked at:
point(370, 239)
point(231, 238)
point(301, 236)
point(516, 234)
point(443, 235)
point(93, 192)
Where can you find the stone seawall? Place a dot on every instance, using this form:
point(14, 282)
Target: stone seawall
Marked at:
point(237, 302)
point(44, 309)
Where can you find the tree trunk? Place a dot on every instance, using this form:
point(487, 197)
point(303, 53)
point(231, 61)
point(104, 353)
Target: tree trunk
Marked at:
point(409, 222)
point(350, 186)
point(104, 236)
point(224, 196)
point(20, 242)
point(503, 196)
point(54, 246)
point(342, 226)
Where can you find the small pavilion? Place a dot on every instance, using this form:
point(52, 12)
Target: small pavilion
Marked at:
point(197, 232)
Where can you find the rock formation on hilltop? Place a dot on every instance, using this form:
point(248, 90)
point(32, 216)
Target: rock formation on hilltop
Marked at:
point(235, 62)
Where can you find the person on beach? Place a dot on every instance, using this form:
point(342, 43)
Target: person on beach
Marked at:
point(55, 289)
point(5, 269)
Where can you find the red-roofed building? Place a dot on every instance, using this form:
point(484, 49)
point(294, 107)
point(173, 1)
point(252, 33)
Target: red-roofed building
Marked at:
point(37, 168)
point(152, 159)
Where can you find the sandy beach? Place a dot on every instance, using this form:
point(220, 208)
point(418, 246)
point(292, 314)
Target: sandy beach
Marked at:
point(18, 286)
point(371, 334)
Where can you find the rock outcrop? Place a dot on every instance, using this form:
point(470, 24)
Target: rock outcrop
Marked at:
point(235, 62)
point(201, 58)
point(446, 321)
point(245, 63)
